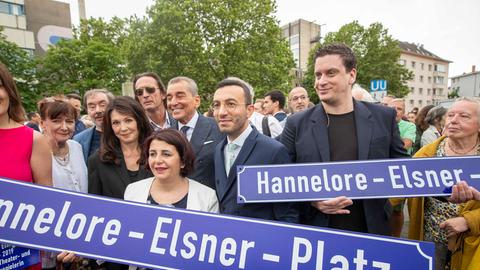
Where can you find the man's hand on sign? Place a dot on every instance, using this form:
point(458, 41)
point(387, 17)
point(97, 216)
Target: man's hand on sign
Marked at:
point(461, 193)
point(67, 257)
point(454, 226)
point(333, 206)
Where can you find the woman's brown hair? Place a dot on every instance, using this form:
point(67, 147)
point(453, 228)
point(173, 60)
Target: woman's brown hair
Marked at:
point(15, 108)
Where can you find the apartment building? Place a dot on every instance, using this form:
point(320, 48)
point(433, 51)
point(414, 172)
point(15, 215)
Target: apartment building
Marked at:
point(430, 82)
point(467, 84)
point(14, 22)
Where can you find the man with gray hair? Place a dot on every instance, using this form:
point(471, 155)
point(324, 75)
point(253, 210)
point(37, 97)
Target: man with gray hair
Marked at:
point(298, 99)
point(202, 132)
point(95, 102)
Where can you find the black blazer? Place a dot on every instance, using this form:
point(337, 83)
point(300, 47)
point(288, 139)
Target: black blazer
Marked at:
point(205, 137)
point(257, 149)
point(111, 180)
point(306, 137)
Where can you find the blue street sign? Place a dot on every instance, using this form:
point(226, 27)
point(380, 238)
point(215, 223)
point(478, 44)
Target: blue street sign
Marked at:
point(378, 85)
point(356, 179)
point(168, 238)
point(12, 257)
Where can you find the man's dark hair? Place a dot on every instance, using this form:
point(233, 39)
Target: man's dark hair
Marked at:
point(247, 88)
point(30, 115)
point(276, 95)
point(342, 50)
point(74, 96)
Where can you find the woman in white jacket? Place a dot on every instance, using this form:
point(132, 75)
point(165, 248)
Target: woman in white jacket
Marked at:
point(170, 157)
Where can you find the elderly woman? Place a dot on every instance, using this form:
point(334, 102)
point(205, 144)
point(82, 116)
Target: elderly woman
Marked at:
point(435, 120)
point(25, 153)
point(461, 138)
point(68, 165)
point(170, 157)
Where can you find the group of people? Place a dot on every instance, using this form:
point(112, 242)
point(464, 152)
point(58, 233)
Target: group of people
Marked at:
point(157, 148)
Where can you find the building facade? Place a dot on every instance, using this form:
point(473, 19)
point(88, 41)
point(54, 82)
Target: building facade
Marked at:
point(430, 82)
point(302, 36)
point(467, 84)
point(35, 24)
point(14, 22)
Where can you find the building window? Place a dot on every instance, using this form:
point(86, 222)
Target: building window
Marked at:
point(434, 91)
point(440, 68)
point(420, 91)
point(420, 103)
point(429, 79)
point(412, 90)
point(428, 102)
point(411, 102)
point(421, 77)
point(11, 8)
point(429, 67)
point(440, 91)
point(428, 92)
point(438, 79)
point(413, 64)
point(421, 65)
point(402, 62)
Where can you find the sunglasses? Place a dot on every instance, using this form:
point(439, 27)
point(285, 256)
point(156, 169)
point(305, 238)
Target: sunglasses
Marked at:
point(150, 90)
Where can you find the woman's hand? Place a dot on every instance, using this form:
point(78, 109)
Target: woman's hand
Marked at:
point(454, 226)
point(461, 193)
point(67, 257)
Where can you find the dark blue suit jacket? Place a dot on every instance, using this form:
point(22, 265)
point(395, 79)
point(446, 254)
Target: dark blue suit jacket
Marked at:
point(85, 139)
point(257, 149)
point(306, 137)
point(205, 138)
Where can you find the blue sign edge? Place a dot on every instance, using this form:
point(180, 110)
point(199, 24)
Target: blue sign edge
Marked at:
point(241, 168)
point(414, 243)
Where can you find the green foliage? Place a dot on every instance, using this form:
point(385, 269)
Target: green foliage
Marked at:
point(93, 59)
point(210, 40)
point(377, 57)
point(453, 94)
point(22, 66)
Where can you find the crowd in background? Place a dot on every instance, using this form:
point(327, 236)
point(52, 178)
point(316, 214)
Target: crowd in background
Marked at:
point(157, 148)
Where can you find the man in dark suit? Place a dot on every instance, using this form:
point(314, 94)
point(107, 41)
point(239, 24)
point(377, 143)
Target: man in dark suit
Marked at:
point(202, 132)
point(339, 129)
point(244, 145)
point(151, 93)
point(95, 102)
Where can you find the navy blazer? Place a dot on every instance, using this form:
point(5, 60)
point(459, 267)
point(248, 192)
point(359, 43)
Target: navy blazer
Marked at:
point(84, 138)
point(306, 137)
point(205, 137)
point(257, 149)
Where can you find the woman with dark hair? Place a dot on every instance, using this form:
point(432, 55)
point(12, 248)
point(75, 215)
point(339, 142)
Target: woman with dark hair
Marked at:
point(170, 157)
point(117, 163)
point(421, 127)
point(25, 152)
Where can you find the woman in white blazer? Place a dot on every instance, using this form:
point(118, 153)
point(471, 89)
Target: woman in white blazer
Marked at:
point(170, 157)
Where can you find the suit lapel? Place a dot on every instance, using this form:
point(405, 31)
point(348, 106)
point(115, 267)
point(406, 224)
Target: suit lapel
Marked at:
point(200, 134)
point(364, 127)
point(320, 132)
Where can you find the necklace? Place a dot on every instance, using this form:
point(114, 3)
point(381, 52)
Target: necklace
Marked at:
point(461, 153)
point(62, 159)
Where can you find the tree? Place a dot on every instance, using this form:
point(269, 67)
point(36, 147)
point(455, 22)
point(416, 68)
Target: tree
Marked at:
point(210, 40)
point(377, 57)
point(93, 59)
point(22, 67)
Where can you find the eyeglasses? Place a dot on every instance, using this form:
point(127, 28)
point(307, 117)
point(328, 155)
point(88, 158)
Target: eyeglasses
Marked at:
point(229, 106)
point(139, 91)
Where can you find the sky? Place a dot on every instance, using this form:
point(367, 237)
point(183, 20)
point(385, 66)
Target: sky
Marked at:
point(450, 29)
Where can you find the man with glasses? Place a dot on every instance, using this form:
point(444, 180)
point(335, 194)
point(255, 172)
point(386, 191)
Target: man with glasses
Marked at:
point(202, 132)
point(298, 100)
point(244, 145)
point(151, 94)
point(95, 102)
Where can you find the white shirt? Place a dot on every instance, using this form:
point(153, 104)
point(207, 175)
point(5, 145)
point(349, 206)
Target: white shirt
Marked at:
point(274, 125)
point(239, 141)
point(191, 124)
point(157, 127)
point(73, 176)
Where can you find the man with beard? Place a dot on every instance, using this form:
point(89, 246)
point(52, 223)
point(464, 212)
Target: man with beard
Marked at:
point(96, 102)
